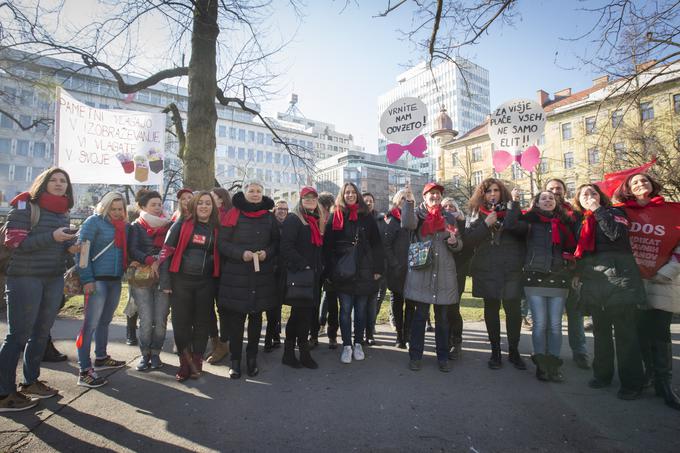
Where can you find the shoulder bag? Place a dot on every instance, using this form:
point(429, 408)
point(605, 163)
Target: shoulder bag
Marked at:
point(300, 285)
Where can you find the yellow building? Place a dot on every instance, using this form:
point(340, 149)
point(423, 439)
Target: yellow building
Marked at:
point(588, 133)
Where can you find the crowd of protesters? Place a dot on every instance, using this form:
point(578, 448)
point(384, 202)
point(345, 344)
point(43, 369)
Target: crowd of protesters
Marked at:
point(220, 262)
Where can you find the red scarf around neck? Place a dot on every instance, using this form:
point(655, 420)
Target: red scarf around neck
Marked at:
point(157, 234)
point(185, 235)
point(633, 204)
point(558, 227)
point(53, 203)
point(434, 221)
point(120, 238)
point(313, 222)
point(339, 216)
point(231, 218)
point(499, 214)
point(586, 240)
point(396, 213)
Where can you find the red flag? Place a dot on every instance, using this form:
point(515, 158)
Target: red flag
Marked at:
point(612, 181)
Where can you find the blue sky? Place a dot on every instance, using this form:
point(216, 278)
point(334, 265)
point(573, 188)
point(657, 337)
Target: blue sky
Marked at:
point(340, 63)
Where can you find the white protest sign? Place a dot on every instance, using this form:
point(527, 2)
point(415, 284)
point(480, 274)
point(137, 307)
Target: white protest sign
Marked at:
point(108, 146)
point(403, 120)
point(516, 124)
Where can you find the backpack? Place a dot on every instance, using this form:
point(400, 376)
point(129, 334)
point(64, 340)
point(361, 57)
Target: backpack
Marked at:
point(6, 252)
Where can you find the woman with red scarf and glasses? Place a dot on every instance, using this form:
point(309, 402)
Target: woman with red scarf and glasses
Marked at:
point(610, 289)
point(147, 235)
point(190, 263)
point(434, 284)
point(38, 233)
point(496, 265)
point(655, 239)
point(249, 245)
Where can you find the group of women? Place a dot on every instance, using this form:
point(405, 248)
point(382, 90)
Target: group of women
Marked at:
point(618, 263)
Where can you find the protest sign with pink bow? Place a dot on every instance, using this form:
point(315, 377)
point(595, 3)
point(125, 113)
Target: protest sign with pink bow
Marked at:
point(401, 124)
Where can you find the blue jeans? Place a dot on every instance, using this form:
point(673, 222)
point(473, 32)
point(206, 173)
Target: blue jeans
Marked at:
point(577, 336)
point(153, 307)
point(349, 302)
point(546, 334)
point(441, 331)
point(32, 306)
point(373, 307)
point(99, 310)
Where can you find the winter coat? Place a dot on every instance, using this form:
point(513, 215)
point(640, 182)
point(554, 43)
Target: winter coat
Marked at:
point(38, 255)
point(370, 255)
point(610, 276)
point(498, 259)
point(297, 253)
point(437, 283)
point(396, 240)
point(197, 259)
point(100, 231)
point(140, 245)
point(241, 288)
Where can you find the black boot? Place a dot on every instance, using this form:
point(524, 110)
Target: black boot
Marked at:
point(648, 360)
point(251, 364)
point(289, 354)
point(495, 362)
point(306, 358)
point(663, 374)
point(541, 367)
point(554, 368)
point(51, 354)
point(131, 337)
point(516, 359)
point(455, 351)
point(235, 370)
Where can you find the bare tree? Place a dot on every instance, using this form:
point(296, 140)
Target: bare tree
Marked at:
point(232, 71)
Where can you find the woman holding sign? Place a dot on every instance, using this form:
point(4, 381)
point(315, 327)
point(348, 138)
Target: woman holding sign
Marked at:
point(39, 237)
point(655, 240)
point(496, 265)
point(249, 244)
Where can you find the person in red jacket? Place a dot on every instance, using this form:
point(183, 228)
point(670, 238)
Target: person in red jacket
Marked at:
point(655, 239)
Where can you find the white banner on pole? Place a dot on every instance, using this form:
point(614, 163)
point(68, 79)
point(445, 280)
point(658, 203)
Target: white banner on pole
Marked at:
point(108, 146)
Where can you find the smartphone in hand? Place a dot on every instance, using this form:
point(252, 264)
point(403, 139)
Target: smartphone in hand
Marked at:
point(71, 230)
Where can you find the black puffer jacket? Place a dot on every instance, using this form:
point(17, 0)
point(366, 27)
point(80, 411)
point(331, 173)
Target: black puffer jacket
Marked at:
point(38, 255)
point(197, 259)
point(241, 288)
point(610, 275)
point(497, 261)
point(140, 244)
point(298, 253)
point(370, 253)
point(396, 240)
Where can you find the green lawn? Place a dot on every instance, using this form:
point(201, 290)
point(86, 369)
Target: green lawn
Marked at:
point(471, 308)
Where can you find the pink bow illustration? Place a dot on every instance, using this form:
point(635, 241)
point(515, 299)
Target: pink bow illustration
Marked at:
point(417, 147)
point(528, 159)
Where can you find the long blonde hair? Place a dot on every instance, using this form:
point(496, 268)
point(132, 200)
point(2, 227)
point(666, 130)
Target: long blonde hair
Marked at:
point(300, 211)
point(107, 200)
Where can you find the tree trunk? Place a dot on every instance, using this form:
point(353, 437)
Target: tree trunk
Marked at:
point(199, 155)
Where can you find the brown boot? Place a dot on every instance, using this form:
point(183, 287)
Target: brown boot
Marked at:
point(196, 365)
point(184, 371)
point(219, 352)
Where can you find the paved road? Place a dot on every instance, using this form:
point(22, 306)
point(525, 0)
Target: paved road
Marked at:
point(375, 405)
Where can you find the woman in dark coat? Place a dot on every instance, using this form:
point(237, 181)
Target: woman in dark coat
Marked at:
point(248, 240)
point(396, 241)
point(496, 266)
point(611, 289)
point(301, 242)
point(38, 233)
point(350, 224)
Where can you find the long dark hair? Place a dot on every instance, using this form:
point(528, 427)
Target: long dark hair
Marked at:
point(39, 185)
point(559, 210)
point(623, 193)
point(340, 199)
point(477, 198)
point(213, 221)
point(604, 199)
point(224, 196)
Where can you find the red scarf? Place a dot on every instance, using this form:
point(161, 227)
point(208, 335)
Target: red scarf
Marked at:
point(120, 238)
point(313, 222)
point(586, 240)
point(339, 216)
point(434, 221)
point(568, 209)
point(396, 213)
point(231, 218)
point(53, 203)
point(557, 226)
point(633, 204)
point(499, 214)
point(185, 235)
point(157, 234)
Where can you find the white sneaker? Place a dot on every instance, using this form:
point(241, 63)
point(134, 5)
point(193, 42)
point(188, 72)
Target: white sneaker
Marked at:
point(358, 352)
point(346, 356)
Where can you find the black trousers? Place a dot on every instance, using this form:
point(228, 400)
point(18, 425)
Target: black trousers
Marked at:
point(222, 316)
point(654, 325)
point(191, 301)
point(402, 310)
point(298, 325)
point(235, 323)
point(453, 315)
point(623, 320)
point(329, 312)
point(513, 320)
point(273, 331)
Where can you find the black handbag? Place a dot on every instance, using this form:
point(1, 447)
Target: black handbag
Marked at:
point(346, 264)
point(300, 285)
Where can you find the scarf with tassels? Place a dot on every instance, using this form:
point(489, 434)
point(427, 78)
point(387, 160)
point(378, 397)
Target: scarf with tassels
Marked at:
point(313, 223)
point(586, 239)
point(185, 234)
point(339, 216)
point(434, 221)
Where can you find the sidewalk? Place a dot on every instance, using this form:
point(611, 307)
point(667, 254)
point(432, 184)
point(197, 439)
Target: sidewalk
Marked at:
point(375, 405)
